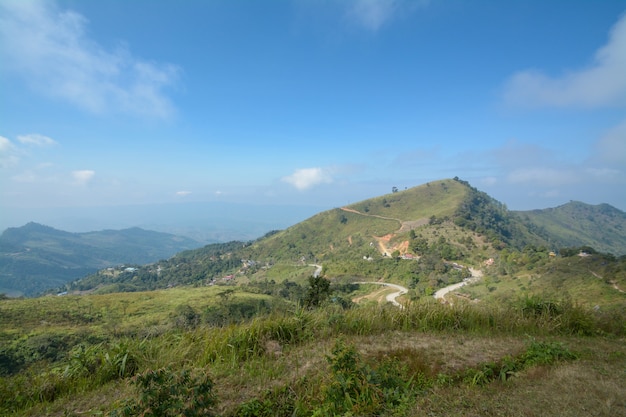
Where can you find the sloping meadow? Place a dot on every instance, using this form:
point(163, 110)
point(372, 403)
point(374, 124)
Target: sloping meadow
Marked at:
point(379, 360)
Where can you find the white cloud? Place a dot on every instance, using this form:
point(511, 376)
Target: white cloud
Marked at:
point(601, 84)
point(7, 153)
point(611, 147)
point(306, 178)
point(36, 140)
point(373, 14)
point(82, 177)
point(5, 145)
point(51, 49)
point(183, 193)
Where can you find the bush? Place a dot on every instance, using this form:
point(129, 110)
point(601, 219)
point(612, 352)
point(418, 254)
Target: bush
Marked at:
point(165, 393)
point(537, 353)
point(357, 389)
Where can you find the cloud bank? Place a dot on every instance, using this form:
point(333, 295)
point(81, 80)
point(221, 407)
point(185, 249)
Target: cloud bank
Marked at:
point(601, 84)
point(51, 50)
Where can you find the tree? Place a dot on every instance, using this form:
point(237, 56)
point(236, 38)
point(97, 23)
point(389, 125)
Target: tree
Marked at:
point(317, 293)
point(394, 189)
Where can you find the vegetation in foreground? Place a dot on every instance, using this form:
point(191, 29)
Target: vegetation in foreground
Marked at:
point(426, 359)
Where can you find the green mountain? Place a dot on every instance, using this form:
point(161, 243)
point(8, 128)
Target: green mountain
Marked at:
point(443, 223)
point(34, 257)
point(603, 227)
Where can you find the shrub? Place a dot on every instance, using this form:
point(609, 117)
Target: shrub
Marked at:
point(537, 353)
point(357, 389)
point(165, 393)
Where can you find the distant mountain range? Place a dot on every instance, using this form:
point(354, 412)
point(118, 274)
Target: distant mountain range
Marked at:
point(35, 257)
point(206, 222)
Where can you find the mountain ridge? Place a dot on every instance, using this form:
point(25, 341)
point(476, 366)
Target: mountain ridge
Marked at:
point(37, 257)
point(442, 222)
point(575, 223)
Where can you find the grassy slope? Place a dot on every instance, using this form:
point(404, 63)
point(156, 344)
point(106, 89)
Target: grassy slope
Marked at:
point(124, 312)
point(587, 281)
point(594, 382)
point(341, 233)
point(432, 339)
point(576, 224)
point(438, 198)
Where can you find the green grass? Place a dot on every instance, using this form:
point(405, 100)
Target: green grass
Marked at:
point(578, 280)
point(438, 198)
point(282, 360)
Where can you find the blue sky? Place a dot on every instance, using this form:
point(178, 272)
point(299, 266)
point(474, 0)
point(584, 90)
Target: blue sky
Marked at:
point(310, 102)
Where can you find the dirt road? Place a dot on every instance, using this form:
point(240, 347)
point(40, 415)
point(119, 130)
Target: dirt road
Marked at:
point(441, 293)
point(391, 297)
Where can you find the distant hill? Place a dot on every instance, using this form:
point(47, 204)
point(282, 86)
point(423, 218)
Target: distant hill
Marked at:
point(35, 257)
point(603, 227)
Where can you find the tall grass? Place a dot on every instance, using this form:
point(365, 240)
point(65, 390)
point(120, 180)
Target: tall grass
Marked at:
point(225, 350)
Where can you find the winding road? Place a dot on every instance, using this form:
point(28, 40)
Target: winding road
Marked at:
point(441, 293)
point(392, 296)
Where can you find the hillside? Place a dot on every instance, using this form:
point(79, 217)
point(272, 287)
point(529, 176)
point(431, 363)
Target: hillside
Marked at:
point(369, 228)
point(34, 257)
point(603, 227)
point(440, 223)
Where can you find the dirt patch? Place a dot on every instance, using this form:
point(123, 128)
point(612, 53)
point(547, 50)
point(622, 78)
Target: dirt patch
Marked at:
point(378, 296)
point(412, 224)
point(447, 353)
point(402, 247)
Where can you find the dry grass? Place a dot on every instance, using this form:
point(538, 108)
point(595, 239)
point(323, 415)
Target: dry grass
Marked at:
point(86, 404)
point(595, 385)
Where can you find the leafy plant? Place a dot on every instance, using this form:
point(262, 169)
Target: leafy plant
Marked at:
point(537, 353)
point(357, 389)
point(164, 393)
